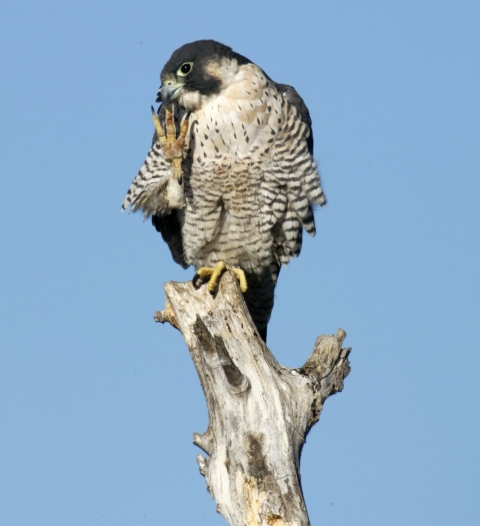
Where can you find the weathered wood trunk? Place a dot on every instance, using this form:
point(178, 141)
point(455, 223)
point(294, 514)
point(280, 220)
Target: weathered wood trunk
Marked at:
point(259, 411)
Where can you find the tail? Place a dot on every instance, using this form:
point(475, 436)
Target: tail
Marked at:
point(260, 297)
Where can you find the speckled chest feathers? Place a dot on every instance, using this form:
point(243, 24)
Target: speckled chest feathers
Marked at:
point(249, 178)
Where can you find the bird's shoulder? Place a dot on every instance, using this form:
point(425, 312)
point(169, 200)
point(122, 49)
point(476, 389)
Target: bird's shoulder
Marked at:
point(290, 94)
point(248, 115)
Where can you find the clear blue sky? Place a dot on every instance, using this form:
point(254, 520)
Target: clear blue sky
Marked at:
point(98, 403)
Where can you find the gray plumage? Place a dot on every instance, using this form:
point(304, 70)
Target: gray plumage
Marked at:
point(249, 178)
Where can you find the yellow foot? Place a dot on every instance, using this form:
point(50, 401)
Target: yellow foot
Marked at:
point(171, 144)
point(213, 276)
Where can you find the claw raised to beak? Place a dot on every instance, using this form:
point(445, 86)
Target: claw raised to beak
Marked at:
point(168, 92)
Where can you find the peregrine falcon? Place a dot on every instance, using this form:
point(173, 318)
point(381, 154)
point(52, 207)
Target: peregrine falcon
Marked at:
point(230, 180)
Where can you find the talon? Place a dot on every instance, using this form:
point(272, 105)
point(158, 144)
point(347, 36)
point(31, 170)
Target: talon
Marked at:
point(213, 275)
point(171, 132)
point(170, 143)
point(183, 130)
point(158, 127)
point(242, 279)
point(196, 278)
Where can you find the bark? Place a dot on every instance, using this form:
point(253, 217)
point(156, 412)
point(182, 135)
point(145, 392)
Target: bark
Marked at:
point(259, 412)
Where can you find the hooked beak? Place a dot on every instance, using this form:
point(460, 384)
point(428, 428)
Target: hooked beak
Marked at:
point(167, 94)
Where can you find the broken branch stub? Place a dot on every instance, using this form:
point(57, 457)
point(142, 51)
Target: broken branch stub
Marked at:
point(259, 412)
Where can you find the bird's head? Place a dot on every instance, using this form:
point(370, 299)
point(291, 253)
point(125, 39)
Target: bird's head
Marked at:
point(196, 72)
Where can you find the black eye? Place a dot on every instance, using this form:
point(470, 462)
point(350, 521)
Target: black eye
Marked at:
point(185, 69)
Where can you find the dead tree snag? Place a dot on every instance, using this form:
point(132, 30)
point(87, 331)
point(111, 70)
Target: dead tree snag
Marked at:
point(259, 412)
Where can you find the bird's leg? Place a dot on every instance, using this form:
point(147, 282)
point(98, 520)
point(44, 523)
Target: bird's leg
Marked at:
point(171, 144)
point(213, 276)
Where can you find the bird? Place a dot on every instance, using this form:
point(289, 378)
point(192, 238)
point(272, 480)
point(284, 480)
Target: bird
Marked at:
point(230, 181)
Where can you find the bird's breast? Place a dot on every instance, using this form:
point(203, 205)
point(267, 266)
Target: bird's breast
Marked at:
point(242, 121)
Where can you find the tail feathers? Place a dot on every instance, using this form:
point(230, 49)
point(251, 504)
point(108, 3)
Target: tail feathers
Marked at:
point(260, 297)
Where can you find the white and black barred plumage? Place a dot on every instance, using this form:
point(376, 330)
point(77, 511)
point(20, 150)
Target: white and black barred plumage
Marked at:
point(250, 180)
